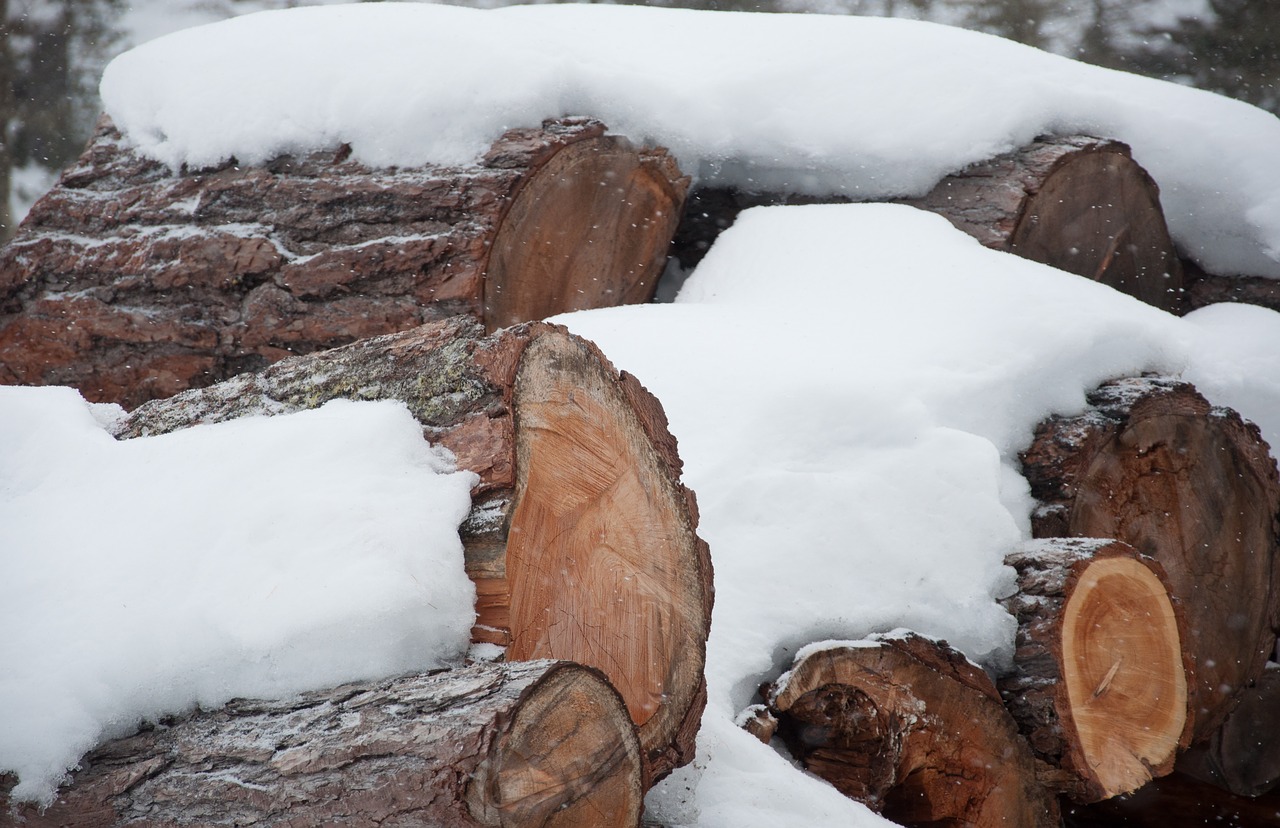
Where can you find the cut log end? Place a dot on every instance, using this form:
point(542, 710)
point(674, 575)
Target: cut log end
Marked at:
point(1126, 686)
point(911, 729)
point(603, 531)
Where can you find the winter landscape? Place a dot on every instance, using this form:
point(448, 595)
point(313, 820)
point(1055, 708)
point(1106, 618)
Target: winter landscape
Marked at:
point(852, 383)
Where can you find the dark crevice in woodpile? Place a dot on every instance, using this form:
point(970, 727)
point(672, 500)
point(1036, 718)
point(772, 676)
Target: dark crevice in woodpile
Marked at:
point(131, 282)
point(912, 729)
point(582, 541)
point(1151, 463)
point(534, 743)
point(1078, 203)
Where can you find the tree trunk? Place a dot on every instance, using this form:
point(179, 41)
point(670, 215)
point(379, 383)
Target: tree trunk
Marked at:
point(131, 282)
point(1099, 684)
point(539, 743)
point(913, 730)
point(582, 542)
point(1243, 756)
point(1080, 204)
point(1151, 463)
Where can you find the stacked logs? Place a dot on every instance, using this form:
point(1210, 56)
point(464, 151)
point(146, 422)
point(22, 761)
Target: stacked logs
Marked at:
point(1146, 614)
point(583, 546)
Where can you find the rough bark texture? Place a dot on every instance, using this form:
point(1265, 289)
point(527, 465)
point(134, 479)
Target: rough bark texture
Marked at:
point(1243, 756)
point(131, 282)
point(1077, 203)
point(1098, 683)
point(528, 744)
point(1210, 289)
point(1151, 463)
point(912, 729)
point(1178, 801)
point(582, 542)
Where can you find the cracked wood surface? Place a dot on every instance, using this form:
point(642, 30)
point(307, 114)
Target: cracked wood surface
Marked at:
point(1099, 677)
point(530, 744)
point(1152, 464)
point(912, 729)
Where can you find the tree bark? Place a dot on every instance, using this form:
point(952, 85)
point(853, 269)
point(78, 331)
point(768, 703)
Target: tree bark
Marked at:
point(1243, 756)
point(582, 542)
point(913, 730)
point(1077, 203)
point(132, 282)
point(1152, 464)
point(1099, 684)
point(537, 743)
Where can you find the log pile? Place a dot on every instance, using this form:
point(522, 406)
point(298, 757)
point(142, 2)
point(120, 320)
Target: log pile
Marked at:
point(132, 282)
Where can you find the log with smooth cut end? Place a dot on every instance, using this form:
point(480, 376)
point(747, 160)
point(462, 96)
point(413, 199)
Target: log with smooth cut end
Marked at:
point(1152, 464)
point(131, 281)
point(535, 743)
point(912, 729)
point(582, 542)
point(1098, 683)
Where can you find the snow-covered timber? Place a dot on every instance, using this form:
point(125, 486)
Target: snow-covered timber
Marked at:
point(912, 729)
point(544, 743)
point(1152, 464)
point(132, 282)
point(1243, 756)
point(1078, 203)
point(1209, 289)
point(582, 542)
point(1098, 684)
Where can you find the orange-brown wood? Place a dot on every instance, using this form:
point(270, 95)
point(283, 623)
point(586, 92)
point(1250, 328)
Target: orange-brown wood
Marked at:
point(1099, 680)
point(910, 728)
point(1192, 486)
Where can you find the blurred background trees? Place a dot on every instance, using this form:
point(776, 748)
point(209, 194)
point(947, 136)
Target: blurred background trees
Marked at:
point(52, 53)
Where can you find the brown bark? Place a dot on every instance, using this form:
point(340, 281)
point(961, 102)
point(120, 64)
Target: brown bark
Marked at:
point(1151, 463)
point(536, 743)
point(1243, 756)
point(1178, 801)
point(913, 730)
point(1098, 684)
point(1210, 289)
point(582, 542)
point(1077, 203)
point(131, 282)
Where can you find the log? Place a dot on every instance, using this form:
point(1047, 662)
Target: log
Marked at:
point(1078, 203)
point(913, 730)
point(132, 282)
point(1098, 683)
point(537, 743)
point(1210, 289)
point(1151, 463)
point(1243, 756)
point(582, 542)
point(1177, 801)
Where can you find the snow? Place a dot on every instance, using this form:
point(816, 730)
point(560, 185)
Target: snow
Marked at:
point(866, 107)
point(258, 558)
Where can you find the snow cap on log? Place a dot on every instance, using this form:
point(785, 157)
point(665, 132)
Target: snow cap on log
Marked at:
point(582, 541)
point(1152, 464)
point(534, 743)
point(132, 282)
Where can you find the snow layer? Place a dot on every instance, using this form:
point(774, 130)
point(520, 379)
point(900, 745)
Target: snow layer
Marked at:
point(866, 107)
point(257, 558)
point(850, 386)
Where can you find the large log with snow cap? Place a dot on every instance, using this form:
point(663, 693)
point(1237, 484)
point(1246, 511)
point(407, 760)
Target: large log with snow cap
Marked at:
point(1151, 463)
point(912, 729)
point(582, 542)
point(132, 282)
point(536, 743)
point(1098, 683)
point(1077, 203)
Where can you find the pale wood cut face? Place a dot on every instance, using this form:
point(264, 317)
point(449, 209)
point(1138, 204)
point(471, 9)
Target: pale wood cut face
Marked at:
point(1122, 666)
point(570, 758)
point(589, 230)
point(599, 552)
point(1173, 487)
point(1098, 215)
